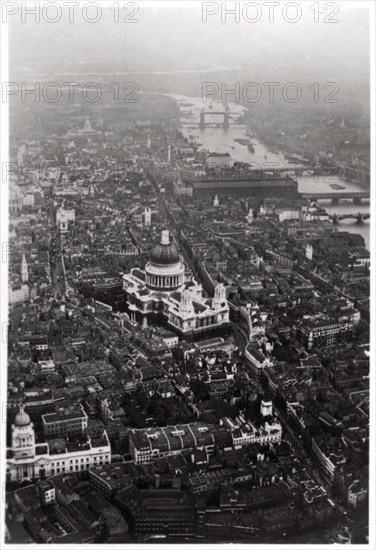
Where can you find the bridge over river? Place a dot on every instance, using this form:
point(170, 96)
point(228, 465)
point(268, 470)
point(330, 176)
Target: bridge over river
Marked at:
point(360, 217)
point(336, 197)
point(225, 114)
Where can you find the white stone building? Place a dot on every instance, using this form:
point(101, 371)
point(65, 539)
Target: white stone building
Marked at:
point(27, 459)
point(256, 360)
point(161, 290)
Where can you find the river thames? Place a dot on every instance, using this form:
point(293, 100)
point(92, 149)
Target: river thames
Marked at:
point(220, 140)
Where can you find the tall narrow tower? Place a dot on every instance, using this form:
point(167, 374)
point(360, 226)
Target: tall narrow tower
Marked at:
point(24, 270)
point(309, 252)
point(226, 117)
point(220, 299)
point(87, 126)
point(23, 435)
point(186, 305)
point(169, 154)
point(147, 216)
point(266, 406)
point(202, 119)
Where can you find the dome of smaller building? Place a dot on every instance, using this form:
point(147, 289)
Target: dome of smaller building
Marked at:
point(165, 253)
point(22, 418)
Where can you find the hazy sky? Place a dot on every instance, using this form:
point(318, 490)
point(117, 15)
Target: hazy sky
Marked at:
point(174, 38)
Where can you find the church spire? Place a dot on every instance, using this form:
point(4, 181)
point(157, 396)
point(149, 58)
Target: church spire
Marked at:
point(24, 270)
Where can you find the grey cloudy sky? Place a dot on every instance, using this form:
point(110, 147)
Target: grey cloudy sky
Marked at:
point(171, 38)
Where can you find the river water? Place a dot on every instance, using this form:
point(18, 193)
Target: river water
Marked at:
point(217, 139)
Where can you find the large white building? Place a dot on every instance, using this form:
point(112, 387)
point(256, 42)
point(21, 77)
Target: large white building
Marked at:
point(161, 290)
point(27, 459)
point(256, 360)
point(149, 444)
point(266, 432)
point(64, 217)
point(221, 160)
point(19, 293)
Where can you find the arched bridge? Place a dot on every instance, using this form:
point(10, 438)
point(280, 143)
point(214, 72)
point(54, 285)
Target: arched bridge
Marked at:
point(359, 218)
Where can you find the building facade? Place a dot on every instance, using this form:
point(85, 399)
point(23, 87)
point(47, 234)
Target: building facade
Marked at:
point(27, 459)
point(256, 360)
point(65, 422)
point(147, 445)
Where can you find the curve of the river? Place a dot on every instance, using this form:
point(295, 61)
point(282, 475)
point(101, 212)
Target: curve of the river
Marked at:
point(217, 139)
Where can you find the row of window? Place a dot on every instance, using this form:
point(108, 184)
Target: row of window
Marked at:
point(65, 424)
point(26, 441)
point(165, 281)
point(106, 457)
point(75, 468)
point(143, 459)
point(158, 521)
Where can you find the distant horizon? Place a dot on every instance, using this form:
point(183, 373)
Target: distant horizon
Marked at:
point(182, 34)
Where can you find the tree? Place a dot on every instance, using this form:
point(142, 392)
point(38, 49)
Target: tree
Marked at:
point(200, 390)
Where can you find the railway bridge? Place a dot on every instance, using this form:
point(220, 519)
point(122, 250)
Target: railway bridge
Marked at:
point(355, 196)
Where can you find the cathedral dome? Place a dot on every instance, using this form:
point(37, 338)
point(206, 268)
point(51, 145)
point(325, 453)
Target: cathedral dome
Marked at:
point(165, 253)
point(22, 418)
point(164, 270)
